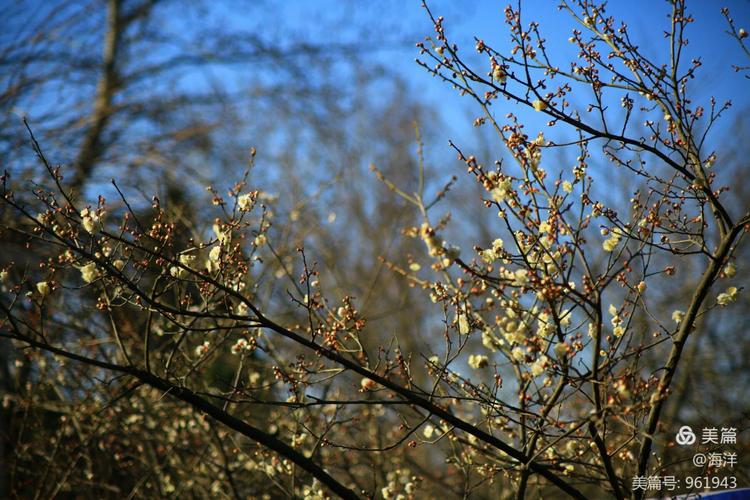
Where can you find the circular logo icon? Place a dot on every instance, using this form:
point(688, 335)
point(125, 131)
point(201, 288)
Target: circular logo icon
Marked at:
point(685, 436)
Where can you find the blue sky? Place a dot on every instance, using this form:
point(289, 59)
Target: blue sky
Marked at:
point(385, 33)
point(402, 23)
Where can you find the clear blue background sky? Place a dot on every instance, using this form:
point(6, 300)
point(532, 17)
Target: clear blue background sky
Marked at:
point(401, 23)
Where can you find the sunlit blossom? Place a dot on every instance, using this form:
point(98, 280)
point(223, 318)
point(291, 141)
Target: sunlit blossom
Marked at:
point(464, 327)
point(245, 202)
point(91, 220)
point(89, 272)
point(240, 346)
point(539, 105)
point(478, 361)
point(677, 316)
point(517, 354)
point(538, 366)
point(730, 270)
point(727, 297)
point(498, 74)
point(215, 254)
point(610, 244)
point(43, 288)
point(502, 190)
point(202, 349)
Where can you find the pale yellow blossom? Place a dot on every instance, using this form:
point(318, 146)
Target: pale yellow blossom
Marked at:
point(537, 367)
point(464, 327)
point(727, 297)
point(239, 346)
point(539, 105)
point(245, 202)
point(224, 236)
point(517, 354)
point(90, 220)
point(503, 189)
point(177, 272)
point(43, 288)
point(730, 270)
point(367, 384)
point(611, 243)
point(498, 74)
point(215, 254)
point(241, 309)
point(478, 361)
point(677, 316)
point(202, 349)
point(89, 272)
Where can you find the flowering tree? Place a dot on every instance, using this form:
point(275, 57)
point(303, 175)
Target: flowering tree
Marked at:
point(192, 373)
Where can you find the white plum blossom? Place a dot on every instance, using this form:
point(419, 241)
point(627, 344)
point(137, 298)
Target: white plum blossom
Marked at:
point(498, 74)
point(43, 288)
point(245, 202)
point(90, 220)
point(367, 384)
point(677, 316)
point(565, 317)
point(478, 361)
point(491, 254)
point(490, 341)
point(730, 270)
point(502, 190)
point(202, 349)
point(241, 309)
point(521, 277)
point(177, 272)
point(89, 272)
point(517, 354)
point(611, 243)
point(539, 105)
point(464, 327)
point(186, 259)
point(215, 254)
point(433, 243)
point(240, 345)
point(727, 297)
point(224, 236)
point(537, 367)
point(260, 240)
